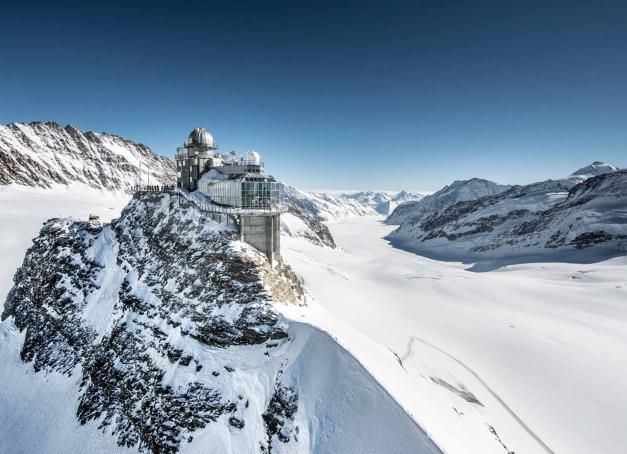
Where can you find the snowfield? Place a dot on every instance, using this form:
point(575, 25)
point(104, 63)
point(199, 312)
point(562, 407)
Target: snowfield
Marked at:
point(528, 358)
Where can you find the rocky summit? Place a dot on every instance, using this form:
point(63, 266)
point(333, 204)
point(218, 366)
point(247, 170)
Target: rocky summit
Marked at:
point(43, 154)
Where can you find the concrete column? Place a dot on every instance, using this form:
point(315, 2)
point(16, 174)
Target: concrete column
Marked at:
point(276, 235)
point(260, 232)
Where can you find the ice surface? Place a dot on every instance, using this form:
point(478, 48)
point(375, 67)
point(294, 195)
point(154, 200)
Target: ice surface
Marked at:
point(542, 346)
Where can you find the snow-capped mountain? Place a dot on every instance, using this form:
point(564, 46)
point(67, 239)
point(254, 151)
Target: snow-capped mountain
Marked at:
point(159, 333)
point(43, 154)
point(305, 218)
point(400, 198)
point(553, 218)
point(596, 168)
point(381, 202)
point(457, 191)
point(310, 211)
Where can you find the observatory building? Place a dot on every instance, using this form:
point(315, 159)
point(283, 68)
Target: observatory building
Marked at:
point(236, 186)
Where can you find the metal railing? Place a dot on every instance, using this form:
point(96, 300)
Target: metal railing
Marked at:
point(226, 162)
point(211, 207)
point(242, 162)
point(264, 211)
point(168, 188)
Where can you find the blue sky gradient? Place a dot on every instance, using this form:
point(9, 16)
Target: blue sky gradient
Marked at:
point(347, 95)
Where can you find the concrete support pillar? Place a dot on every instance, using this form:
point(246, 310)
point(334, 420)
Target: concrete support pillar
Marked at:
point(263, 233)
point(276, 235)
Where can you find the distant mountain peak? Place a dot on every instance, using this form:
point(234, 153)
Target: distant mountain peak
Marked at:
point(596, 168)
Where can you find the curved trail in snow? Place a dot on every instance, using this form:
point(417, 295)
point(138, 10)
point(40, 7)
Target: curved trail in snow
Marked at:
point(408, 352)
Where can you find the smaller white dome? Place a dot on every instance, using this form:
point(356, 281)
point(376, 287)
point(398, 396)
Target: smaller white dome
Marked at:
point(254, 158)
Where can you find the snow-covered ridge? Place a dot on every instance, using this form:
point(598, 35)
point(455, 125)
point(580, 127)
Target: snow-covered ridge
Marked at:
point(457, 191)
point(548, 220)
point(596, 168)
point(44, 154)
point(169, 326)
point(48, 154)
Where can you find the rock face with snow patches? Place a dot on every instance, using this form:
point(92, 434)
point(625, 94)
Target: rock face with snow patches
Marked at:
point(554, 219)
point(130, 303)
point(169, 323)
point(415, 211)
point(43, 154)
point(304, 218)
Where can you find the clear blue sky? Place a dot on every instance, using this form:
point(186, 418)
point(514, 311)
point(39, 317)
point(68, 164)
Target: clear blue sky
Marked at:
point(348, 95)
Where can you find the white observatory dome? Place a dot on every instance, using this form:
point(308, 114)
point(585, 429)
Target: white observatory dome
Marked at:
point(200, 136)
point(254, 158)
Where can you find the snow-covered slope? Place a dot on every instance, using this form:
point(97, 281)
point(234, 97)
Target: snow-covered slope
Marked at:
point(44, 154)
point(159, 331)
point(526, 359)
point(309, 212)
point(596, 168)
point(581, 217)
point(305, 218)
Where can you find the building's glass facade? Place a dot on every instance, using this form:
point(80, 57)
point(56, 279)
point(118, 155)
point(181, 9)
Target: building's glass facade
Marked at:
point(259, 194)
point(242, 194)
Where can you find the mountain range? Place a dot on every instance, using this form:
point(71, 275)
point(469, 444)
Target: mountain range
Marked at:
point(580, 217)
